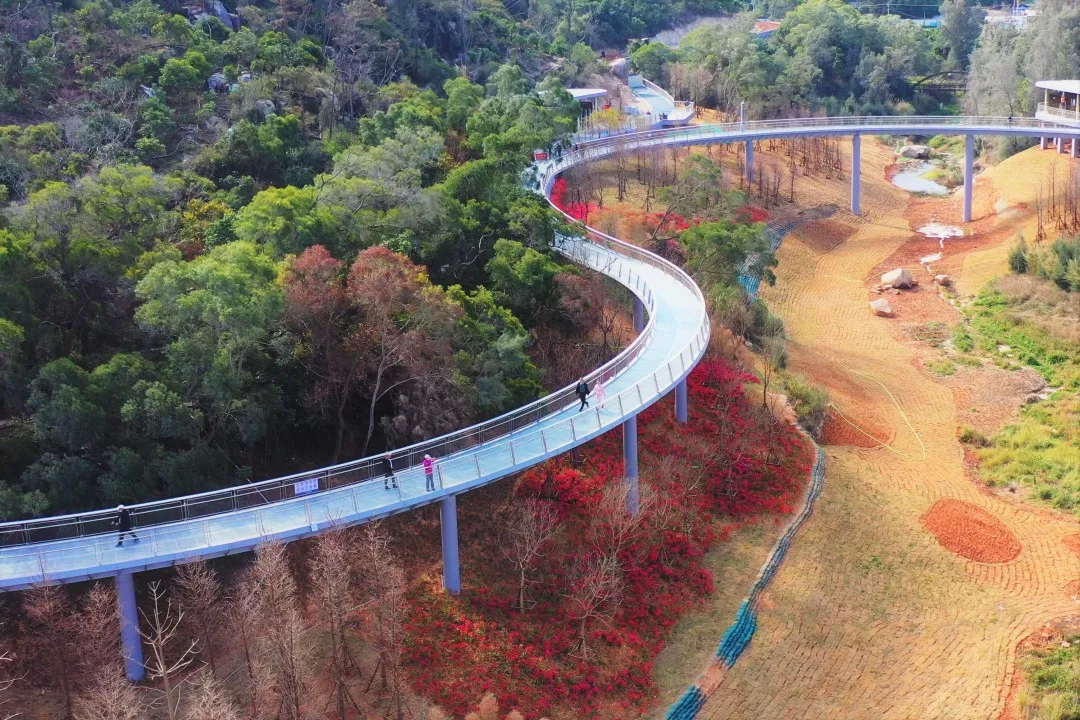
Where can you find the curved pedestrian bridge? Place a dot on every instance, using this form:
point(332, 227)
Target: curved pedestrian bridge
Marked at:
point(83, 546)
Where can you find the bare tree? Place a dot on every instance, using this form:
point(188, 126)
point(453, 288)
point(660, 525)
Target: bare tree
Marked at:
point(283, 665)
point(199, 593)
point(531, 526)
point(595, 590)
point(242, 614)
point(7, 680)
point(162, 625)
point(110, 697)
point(207, 700)
point(773, 357)
point(48, 609)
point(98, 633)
point(613, 529)
point(384, 586)
point(332, 578)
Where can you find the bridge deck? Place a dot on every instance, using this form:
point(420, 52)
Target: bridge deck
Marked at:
point(676, 324)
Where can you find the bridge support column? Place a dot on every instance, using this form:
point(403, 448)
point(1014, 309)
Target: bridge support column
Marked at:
point(1075, 149)
point(749, 160)
point(451, 568)
point(639, 314)
point(129, 626)
point(1042, 143)
point(680, 402)
point(969, 175)
point(629, 444)
point(1058, 143)
point(856, 179)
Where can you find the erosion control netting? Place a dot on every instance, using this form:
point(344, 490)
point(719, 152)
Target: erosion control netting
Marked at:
point(739, 634)
point(776, 231)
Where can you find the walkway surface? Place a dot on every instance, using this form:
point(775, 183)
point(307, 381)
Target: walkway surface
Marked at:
point(668, 348)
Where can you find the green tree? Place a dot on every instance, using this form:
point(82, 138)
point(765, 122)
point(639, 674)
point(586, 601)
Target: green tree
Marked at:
point(218, 313)
point(652, 59)
point(961, 23)
point(287, 220)
point(720, 251)
point(522, 278)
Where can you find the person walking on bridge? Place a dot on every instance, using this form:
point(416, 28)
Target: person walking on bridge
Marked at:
point(599, 392)
point(388, 472)
point(582, 392)
point(123, 522)
point(429, 472)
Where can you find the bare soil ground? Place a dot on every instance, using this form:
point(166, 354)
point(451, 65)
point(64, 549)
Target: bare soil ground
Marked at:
point(871, 616)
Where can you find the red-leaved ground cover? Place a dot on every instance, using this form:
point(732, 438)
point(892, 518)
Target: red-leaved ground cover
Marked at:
point(730, 463)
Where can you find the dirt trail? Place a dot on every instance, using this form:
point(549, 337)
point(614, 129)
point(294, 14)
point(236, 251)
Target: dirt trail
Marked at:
point(871, 617)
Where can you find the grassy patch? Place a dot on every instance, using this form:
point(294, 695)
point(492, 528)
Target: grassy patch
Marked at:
point(941, 367)
point(1053, 682)
point(1041, 451)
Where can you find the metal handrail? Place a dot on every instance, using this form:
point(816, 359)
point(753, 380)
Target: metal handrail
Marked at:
point(275, 490)
point(270, 502)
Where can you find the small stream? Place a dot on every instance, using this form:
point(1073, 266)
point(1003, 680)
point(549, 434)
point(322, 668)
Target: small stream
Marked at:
point(910, 179)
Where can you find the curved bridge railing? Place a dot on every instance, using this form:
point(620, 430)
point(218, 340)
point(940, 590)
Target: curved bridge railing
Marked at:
point(80, 545)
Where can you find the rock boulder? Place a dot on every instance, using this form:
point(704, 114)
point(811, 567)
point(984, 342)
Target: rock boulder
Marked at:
point(899, 278)
point(918, 152)
point(881, 307)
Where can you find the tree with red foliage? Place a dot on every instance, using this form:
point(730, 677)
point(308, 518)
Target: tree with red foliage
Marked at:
point(406, 323)
point(328, 342)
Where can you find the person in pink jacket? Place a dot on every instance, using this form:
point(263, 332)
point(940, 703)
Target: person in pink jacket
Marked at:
point(599, 393)
point(429, 472)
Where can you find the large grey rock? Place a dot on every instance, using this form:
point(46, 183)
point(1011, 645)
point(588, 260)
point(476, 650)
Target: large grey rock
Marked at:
point(881, 307)
point(918, 152)
point(898, 278)
point(265, 107)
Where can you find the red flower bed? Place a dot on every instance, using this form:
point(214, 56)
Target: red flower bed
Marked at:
point(751, 214)
point(729, 463)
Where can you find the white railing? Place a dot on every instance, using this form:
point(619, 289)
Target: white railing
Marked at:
point(190, 525)
point(1067, 115)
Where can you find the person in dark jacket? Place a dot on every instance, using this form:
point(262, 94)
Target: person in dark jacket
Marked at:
point(123, 522)
point(388, 472)
point(582, 393)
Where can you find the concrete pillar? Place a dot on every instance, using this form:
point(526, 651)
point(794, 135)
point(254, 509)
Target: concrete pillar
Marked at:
point(1074, 147)
point(680, 402)
point(451, 568)
point(1042, 143)
point(629, 446)
point(1059, 142)
point(969, 179)
point(856, 179)
point(130, 640)
point(639, 314)
point(750, 160)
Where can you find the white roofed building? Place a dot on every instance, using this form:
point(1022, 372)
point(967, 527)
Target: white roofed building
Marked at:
point(1061, 102)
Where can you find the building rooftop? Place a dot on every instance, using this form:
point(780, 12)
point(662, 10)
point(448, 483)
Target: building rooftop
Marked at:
point(1066, 86)
point(586, 93)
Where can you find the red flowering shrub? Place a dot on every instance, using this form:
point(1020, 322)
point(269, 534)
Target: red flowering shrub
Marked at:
point(751, 214)
point(729, 463)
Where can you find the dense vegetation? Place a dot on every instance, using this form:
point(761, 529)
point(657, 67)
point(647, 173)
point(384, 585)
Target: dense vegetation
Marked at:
point(826, 56)
point(1021, 321)
point(1007, 62)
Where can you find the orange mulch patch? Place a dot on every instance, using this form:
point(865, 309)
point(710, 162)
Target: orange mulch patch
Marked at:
point(1072, 542)
point(971, 532)
point(1072, 589)
point(838, 431)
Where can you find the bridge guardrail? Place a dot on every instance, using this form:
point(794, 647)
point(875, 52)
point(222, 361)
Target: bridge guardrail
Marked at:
point(277, 490)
